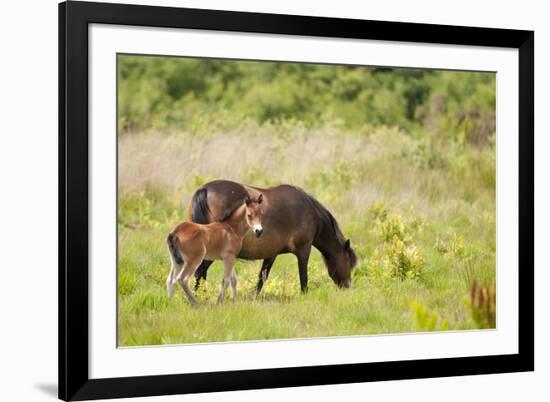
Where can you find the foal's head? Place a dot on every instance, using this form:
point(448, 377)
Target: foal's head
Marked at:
point(253, 214)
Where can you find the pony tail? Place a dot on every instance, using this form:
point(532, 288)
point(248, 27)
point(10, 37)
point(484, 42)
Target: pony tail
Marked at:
point(199, 207)
point(173, 248)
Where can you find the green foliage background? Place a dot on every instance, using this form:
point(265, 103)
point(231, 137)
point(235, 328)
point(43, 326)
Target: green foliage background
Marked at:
point(181, 94)
point(404, 158)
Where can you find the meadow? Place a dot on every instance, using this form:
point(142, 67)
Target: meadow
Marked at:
point(412, 186)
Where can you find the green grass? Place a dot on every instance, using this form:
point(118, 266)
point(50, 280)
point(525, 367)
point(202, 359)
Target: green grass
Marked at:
point(422, 231)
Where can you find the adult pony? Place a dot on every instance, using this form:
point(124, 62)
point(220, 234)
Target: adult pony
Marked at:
point(292, 220)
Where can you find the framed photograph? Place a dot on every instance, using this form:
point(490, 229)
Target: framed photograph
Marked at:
point(258, 201)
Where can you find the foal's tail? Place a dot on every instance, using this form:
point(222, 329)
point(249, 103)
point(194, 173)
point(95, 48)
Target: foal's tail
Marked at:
point(199, 206)
point(173, 247)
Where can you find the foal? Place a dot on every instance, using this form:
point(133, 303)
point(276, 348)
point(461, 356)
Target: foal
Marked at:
point(190, 243)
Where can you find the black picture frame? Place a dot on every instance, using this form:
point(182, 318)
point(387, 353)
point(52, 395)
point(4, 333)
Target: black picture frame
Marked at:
point(74, 18)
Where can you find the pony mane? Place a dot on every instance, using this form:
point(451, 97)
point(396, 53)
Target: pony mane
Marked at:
point(325, 216)
point(229, 211)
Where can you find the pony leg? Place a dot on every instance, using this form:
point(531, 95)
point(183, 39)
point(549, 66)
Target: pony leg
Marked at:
point(225, 283)
point(200, 273)
point(189, 268)
point(264, 273)
point(302, 254)
point(227, 273)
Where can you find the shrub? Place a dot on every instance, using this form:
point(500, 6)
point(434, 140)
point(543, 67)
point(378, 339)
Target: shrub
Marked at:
point(398, 257)
point(379, 211)
point(405, 261)
point(397, 260)
point(377, 265)
point(390, 225)
point(427, 154)
point(427, 320)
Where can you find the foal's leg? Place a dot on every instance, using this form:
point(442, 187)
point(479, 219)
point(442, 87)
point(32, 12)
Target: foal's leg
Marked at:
point(302, 253)
point(228, 264)
point(175, 269)
point(264, 273)
point(234, 284)
point(189, 268)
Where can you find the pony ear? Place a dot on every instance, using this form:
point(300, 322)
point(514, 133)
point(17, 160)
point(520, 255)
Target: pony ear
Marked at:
point(260, 198)
point(247, 200)
point(347, 245)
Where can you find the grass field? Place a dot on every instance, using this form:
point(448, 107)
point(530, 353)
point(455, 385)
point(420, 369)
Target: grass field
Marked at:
point(419, 210)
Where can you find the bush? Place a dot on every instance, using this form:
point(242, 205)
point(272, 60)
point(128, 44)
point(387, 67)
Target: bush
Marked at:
point(378, 211)
point(390, 225)
point(427, 320)
point(404, 261)
point(397, 257)
point(396, 260)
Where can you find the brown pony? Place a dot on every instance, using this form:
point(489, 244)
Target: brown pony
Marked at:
point(190, 243)
point(293, 222)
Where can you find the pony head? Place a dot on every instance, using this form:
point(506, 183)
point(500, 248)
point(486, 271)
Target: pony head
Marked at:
point(340, 263)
